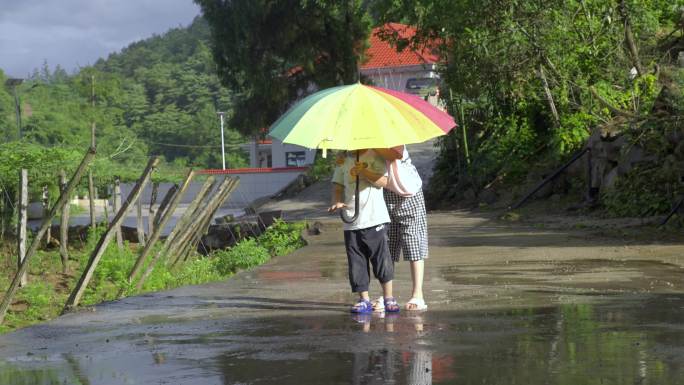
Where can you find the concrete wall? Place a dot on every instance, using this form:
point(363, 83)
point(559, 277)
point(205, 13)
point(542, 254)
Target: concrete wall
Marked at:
point(252, 186)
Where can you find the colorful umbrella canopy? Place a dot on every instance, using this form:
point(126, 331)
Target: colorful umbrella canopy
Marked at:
point(358, 116)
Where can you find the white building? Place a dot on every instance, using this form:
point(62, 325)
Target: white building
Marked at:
point(272, 153)
point(413, 71)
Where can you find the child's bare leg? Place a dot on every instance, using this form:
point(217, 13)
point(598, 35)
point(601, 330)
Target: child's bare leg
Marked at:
point(386, 289)
point(391, 305)
point(417, 273)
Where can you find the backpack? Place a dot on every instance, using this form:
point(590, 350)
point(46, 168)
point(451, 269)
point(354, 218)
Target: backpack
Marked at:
point(402, 177)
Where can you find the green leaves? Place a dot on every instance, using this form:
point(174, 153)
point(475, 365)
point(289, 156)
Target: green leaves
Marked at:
point(493, 53)
point(272, 52)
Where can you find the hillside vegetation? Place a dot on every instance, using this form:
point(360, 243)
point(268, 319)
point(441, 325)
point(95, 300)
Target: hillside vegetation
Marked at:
point(531, 82)
point(158, 96)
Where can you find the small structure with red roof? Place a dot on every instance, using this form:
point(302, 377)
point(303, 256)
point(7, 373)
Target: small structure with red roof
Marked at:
point(410, 70)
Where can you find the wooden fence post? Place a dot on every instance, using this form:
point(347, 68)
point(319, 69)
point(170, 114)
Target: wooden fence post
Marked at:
point(64, 225)
point(187, 215)
point(139, 227)
point(105, 207)
point(151, 210)
point(117, 207)
point(63, 199)
point(101, 246)
point(91, 198)
point(179, 242)
point(21, 225)
point(227, 186)
point(179, 245)
point(165, 203)
point(45, 201)
point(168, 214)
point(196, 238)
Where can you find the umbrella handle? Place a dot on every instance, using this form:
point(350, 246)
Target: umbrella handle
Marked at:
point(343, 213)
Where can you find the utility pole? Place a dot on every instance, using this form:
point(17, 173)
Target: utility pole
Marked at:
point(223, 145)
point(17, 106)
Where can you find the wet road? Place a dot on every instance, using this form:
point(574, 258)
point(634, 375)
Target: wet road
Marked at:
point(508, 305)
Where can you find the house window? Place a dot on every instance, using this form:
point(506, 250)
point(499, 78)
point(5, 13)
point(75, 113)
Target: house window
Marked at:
point(264, 159)
point(421, 86)
point(295, 159)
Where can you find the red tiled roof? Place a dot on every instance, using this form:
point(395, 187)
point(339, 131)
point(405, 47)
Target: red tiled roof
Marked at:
point(261, 170)
point(382, 54)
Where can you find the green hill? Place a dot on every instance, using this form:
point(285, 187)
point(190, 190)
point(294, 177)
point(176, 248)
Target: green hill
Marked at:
point(158, 96)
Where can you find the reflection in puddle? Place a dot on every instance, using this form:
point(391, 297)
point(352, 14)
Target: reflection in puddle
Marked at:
point(628, 340)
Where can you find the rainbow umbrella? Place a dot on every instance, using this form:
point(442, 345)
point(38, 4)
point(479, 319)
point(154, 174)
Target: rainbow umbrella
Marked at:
point(357, 116)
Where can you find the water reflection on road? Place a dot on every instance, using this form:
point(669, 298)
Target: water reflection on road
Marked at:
point(620, 340)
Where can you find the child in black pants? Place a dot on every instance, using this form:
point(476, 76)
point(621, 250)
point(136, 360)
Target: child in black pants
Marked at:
point(365, 239)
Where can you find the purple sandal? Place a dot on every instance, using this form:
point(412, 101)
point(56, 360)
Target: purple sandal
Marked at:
point(391, 305)
point(362, 307)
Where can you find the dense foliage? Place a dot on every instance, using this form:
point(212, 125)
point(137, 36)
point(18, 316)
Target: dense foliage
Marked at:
point(529, 81)
point(158, 96)
point(273, 52)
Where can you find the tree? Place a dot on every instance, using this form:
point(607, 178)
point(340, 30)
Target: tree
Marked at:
point(271, 52)
point(522, 72)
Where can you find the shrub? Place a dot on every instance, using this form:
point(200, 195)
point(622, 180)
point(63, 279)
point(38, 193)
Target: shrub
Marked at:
point(282, 238)
point(38, 297)
point(246, 254)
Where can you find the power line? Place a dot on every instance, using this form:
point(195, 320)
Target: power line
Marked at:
point(183, 145)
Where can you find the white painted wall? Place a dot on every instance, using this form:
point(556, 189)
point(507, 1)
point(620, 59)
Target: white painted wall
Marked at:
point(278, 152)
point(394, 78)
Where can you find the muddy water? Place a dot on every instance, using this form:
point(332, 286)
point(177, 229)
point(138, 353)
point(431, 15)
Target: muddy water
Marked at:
point(622, 340)
point(507, 306)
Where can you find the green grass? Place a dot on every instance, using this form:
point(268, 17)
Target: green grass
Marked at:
point(42, 300)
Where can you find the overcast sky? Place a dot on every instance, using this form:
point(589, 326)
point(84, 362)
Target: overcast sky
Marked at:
point(75, 33)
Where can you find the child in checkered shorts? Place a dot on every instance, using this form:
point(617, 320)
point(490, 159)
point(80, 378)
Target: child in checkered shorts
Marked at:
point(407, 230)
point(365, 238)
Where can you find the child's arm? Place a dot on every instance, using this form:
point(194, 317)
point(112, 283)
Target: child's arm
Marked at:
point(390, 154)
point(336, 202)
point(376, 179)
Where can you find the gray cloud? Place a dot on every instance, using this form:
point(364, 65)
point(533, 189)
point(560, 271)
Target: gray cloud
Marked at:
point(75, 33)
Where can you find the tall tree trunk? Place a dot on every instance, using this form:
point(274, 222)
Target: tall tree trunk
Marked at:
point(549, 96)
point(629, 39)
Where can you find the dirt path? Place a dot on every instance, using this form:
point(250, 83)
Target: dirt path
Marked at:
point(508, 304)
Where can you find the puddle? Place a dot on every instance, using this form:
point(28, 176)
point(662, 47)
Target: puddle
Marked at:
point(637, 275)
point(623, 340)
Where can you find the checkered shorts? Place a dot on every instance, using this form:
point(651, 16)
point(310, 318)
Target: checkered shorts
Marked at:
point(408, 229)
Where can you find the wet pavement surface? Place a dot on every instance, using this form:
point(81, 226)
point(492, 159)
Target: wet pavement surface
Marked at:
point(507, 305)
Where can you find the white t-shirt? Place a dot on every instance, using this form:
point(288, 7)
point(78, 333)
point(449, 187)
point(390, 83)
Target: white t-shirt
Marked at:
point(372, 209)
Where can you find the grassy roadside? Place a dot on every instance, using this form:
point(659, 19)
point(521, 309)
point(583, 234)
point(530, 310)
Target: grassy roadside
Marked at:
point(43, 298)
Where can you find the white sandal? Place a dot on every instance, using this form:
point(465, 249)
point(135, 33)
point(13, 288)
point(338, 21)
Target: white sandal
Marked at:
point(418, 304)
